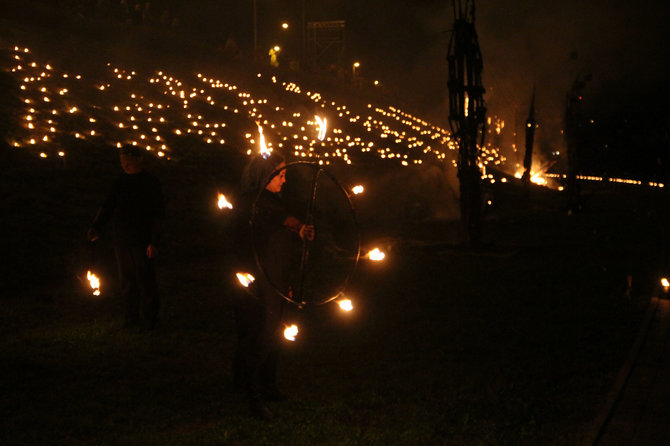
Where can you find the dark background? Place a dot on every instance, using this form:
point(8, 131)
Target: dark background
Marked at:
point(525, 44)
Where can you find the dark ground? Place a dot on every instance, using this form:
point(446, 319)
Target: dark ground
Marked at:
point(514, 344)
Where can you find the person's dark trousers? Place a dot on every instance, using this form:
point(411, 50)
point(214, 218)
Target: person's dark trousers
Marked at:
point(258, 326)
point(137, 277)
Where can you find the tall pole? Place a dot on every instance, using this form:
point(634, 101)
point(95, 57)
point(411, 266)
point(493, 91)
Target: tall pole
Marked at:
point(531, 124)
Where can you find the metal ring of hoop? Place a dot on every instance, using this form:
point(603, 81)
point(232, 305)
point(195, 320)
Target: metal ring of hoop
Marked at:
point(318, 170)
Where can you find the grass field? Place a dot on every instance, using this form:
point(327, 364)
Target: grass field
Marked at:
point(513, 344)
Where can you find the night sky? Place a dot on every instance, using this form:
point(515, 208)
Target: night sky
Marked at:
point(524, 43)
point(623, 45)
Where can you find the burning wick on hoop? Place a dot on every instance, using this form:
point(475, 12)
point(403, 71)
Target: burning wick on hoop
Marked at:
point(264, 151)
point(290, 332)
point(358, 189)
point(376, 255)
point(345, 304)
point(322, 123)
point(245, 279)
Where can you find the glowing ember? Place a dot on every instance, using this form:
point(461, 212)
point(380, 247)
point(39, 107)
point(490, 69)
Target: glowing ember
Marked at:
point(263, 147)
point(223, 203)
point(376, 255)
point(323, 126)
point(346, 304)
point(245, 279)
point(291, 332)
point(94, 281)
point(358, 189)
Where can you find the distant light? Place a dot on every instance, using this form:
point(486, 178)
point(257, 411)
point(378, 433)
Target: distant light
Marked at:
point(284, 25)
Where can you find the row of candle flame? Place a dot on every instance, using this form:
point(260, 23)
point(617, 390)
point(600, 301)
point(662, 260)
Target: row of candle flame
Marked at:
point(413, 131)
point(305, 146)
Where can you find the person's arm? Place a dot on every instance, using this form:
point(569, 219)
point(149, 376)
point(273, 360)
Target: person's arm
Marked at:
point(306, 232)
point(271, 210)
point(157, 217)
point(103, 215)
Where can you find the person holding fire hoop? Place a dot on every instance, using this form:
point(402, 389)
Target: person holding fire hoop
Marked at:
point(259, 307)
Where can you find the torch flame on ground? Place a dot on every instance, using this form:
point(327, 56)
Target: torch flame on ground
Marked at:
point(665, 283)
point(245, 279)
point(265, 152)
point(95, 283)
point(290, 332)
point(223, 202)
point(376, 255)
point(358, 189)
point(346, 304)
point(323, 127)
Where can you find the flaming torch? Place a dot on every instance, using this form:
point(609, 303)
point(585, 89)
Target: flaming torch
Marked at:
point(223, 202)
point(665, 283)
point(323, 126)
point(376, 255)
point(94, 281)
point(265, 152)
point(290, 332)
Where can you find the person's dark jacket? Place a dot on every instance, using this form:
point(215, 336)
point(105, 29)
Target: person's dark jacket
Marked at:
point(135, 206)
point(274, 233)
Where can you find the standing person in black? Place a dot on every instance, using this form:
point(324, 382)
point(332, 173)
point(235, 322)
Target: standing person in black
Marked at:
point(259, 308)
point(135, 204)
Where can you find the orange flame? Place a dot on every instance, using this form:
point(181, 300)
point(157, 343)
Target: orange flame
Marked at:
point(346, 304)
point(245, 279)
point(323, 126)
point(376, 255)
point(223, 202)
point(94, 281)
point(290, 332)
point(535, 177)
point(265, 152)
point(358, 189)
